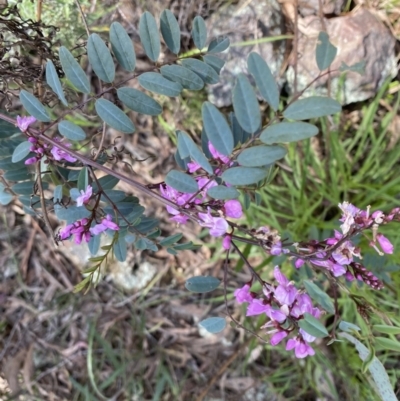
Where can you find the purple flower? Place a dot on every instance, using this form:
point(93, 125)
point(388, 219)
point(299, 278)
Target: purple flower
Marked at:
point(276, 249)
point(278, 315)
point(179, 217)
point(78, 229)
point(85, 196)
point(233, 209)
point(226, 242)
point(66, 231)
point(385, 244)
point(278, 337)
point(243, 294)
point(301, 349)
point(298, 263)
point(349, 212)
point(31, 160)
point(105, 224)
point(257, 307)
point(23, 123)
point(193, 167)
point(217, 225)
point(60, 154)
point(216, 155)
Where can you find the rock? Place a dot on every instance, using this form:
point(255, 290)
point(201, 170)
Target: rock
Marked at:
point(311, 7)
point(256, 20)
point(359, 36)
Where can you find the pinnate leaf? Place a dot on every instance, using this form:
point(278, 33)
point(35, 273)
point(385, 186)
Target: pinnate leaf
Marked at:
point(218, 45)
point(222, 192)
point(122, 46)
point(53, 81)
point(149, 36)
point(114, 116)
point(172, 239)
point(203, 70)
point(199, 32)
point(155, 82)
point(185, 77)
point(245, 105)
point(244, 175)
point(313, 326)
point(100, 58)
point(139, 101)
point(202, 284)
point(71, 131)
point(260, 155)
point(33, 106)
point(217, 129)
point(288, 132)
point(120, 249)
point(213, 324)
point(5, 197)
point(214, 62)
point(170, 31)
point(74, 71)
point(21, 151)
point(181, 182)
point(265, 81)
point(325, 52)
point(319, 296)
point(312, 107)
point(187, 147)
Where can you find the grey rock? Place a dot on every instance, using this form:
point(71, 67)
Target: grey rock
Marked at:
point(257, 20)
point(359, 36)
point(311, 7)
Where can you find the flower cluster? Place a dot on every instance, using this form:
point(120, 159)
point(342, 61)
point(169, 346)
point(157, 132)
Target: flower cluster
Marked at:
point(285, 306)
point(42, 149)
point(83, 229)
point(337, 254)
point(211, 213)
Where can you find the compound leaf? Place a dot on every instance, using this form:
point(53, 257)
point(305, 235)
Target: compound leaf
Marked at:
point(245, 105)
point(185, 77)
point(149, 36)
point(199, 32)
point(223, 193)
point(114, 116)
point(21, 151)
point(203, 70)
point(74, 71)
point(139, 101)
point(260, 155)
point(202, 284)
point(155, 82)
point(181, 182)
point(218, 45)
point(325, 52)
point(122, 46)
point(33, 106)
point(170, 31)
point(217, 129)
point(54, 82)
point(288, 132)
point(100, 58)
point(265, 81)
point(213, 324)
point(244, 175)
point(312, 107)
point(71, 131)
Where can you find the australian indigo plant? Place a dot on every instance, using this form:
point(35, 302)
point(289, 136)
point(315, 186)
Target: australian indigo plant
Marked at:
point(235, 159)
